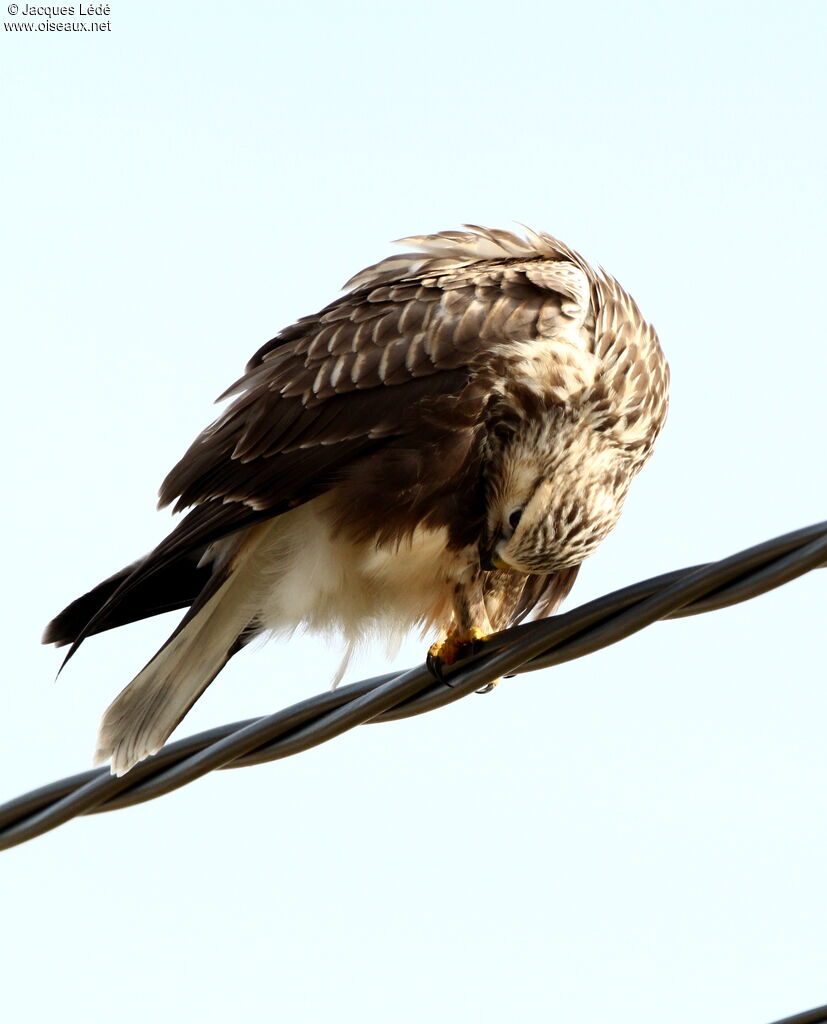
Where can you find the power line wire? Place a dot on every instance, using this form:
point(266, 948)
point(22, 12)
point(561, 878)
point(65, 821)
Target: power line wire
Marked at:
point(523, 648)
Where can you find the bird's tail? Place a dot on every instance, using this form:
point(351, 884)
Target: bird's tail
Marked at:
point(140, 719)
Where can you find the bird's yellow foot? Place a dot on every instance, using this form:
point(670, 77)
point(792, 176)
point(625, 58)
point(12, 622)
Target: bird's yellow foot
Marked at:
point(452, 649)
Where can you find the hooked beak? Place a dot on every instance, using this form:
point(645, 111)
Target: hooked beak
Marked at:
point(490, 560)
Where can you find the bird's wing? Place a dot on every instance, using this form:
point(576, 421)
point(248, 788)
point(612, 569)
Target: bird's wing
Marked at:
point(394, 358)
point(369, 367)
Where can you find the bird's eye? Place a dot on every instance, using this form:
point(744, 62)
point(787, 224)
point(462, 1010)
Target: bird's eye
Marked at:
point(514, 518)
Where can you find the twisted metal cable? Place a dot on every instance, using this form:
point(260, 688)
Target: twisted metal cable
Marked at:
point(818, 1015)
point(396, 695)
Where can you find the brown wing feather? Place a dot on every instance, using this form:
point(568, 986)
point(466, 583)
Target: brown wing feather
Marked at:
point(368, 368)
point(132, 594)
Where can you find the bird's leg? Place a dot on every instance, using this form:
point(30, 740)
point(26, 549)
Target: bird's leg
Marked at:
point(470, 626)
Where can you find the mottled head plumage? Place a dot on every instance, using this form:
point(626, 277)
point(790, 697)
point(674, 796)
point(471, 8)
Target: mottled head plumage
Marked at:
point(555, 493)
point(579, 418)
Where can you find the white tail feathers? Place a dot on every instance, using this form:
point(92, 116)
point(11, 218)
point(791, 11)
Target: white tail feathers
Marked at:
point(140, 719)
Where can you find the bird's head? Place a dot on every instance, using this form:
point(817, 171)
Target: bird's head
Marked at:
point(573, 428)
point(558, 487)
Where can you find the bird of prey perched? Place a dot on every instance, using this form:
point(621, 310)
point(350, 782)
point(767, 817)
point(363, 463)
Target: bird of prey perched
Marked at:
point(441, 447)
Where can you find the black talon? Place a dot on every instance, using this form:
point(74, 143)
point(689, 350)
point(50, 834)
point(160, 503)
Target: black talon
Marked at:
point(435, 666)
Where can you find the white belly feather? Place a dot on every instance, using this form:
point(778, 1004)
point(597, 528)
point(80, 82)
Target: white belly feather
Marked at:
point(318, 578)
point(293, 571)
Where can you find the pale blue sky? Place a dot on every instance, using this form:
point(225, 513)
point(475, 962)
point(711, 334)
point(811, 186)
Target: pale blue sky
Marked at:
point(636, 837)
